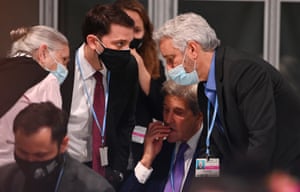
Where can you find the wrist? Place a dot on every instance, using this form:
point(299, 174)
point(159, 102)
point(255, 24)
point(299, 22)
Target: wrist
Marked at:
point(146, 161)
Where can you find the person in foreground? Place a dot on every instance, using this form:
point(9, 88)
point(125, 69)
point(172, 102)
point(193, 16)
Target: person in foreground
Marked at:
point(182, 126)
point(42, 163)
point(32, 72)
point(253, 112)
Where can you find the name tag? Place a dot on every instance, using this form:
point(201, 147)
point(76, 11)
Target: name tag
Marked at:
point(207, 167)
point(103, 156)
point(138, 134)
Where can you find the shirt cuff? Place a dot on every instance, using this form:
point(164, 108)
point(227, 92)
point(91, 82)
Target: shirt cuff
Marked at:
point(142, 173)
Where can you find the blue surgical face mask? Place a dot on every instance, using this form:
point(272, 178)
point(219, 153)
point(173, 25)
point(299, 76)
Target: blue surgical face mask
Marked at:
point(61, 71)
point(180, 76)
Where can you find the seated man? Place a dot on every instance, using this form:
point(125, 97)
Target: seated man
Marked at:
point(42, 163)
point(183, 126)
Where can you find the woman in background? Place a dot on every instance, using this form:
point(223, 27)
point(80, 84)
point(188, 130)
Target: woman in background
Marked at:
point(151, 73)
point(32, 72)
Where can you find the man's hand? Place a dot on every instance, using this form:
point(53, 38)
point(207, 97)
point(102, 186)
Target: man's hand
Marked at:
point(154, 137)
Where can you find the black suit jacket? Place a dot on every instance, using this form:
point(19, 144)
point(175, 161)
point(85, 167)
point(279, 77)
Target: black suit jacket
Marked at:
point(159, 176)
point(258, 110)
point(76, 178)
point(123, 86)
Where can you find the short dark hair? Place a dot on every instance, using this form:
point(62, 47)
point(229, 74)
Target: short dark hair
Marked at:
point(98, 20)
point(37, 115)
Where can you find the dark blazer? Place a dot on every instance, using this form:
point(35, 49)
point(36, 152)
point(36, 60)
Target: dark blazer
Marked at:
point(76, 178)
point(120, 111)
point(158, 179)
point(258, 110)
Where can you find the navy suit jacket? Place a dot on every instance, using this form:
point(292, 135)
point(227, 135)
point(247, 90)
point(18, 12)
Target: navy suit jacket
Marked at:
point(159, 177)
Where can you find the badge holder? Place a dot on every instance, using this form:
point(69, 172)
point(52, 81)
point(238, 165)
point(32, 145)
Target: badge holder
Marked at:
point(103, 156)
point(208, 166)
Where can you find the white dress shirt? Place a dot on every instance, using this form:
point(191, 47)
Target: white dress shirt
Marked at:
point(142, 173)
point(81, 119)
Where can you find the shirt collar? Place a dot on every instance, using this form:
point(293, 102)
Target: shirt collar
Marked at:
point(211, 81)
point(193, 141)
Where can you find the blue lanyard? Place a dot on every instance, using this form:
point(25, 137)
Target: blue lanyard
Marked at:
point(102, 131)
point(60, 175)
point(171, 173)
point(210, 126)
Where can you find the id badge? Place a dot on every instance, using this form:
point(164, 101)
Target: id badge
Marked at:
point(207, 167)
point(103, 156)
point(138, 134)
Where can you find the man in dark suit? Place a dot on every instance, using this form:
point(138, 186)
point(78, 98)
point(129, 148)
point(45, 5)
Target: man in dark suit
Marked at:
point(253, 111)
point(182, 125)
point(107, 32)
point(42, 163)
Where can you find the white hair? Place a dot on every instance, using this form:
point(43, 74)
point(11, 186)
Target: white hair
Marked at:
point(28, 40)
point(187, 27)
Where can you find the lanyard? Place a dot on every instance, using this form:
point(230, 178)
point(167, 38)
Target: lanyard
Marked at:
point(210, 126)
point(171, 173)
point(102, 131)
point(60, 175)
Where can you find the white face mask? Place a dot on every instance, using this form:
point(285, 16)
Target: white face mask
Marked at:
point(61, 71)
point(180, 76)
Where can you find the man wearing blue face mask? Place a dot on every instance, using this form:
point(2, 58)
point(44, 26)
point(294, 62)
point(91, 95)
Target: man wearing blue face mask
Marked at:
point(179, 75)
point(42, 163)
point(251, 111)
point(100, 93)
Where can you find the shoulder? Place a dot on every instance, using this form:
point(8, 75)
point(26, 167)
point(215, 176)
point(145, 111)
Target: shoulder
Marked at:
point(11, 178)
point(83, 177)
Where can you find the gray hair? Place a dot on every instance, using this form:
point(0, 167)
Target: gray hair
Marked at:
point(186, 92)
point(28, 40)
point(187, 27)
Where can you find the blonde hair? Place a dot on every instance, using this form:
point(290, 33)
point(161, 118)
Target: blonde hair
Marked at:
point(26, 40)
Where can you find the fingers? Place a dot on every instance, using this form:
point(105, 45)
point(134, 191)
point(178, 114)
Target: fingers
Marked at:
point(158, 131)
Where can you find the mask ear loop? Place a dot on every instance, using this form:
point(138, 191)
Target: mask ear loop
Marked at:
point(102, 44)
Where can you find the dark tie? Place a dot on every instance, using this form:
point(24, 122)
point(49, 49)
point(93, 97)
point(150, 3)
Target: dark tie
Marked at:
point(99, 102)
point(177, 170)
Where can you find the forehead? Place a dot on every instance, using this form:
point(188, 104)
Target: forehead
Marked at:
point(37, 142)
point(167, 48)
point(175, 102)
point(119, 32)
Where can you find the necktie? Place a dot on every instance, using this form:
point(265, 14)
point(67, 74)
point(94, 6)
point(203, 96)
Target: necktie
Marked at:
point(99, 102)
point(177, 170)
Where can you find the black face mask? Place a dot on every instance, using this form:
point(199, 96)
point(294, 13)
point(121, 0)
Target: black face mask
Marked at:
point(136, 43)
point(40, 170)
point(115, 59)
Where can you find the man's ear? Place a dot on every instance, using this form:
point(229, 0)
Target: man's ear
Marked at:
point(193, 49)
point(64, 144)
point(93, 42)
